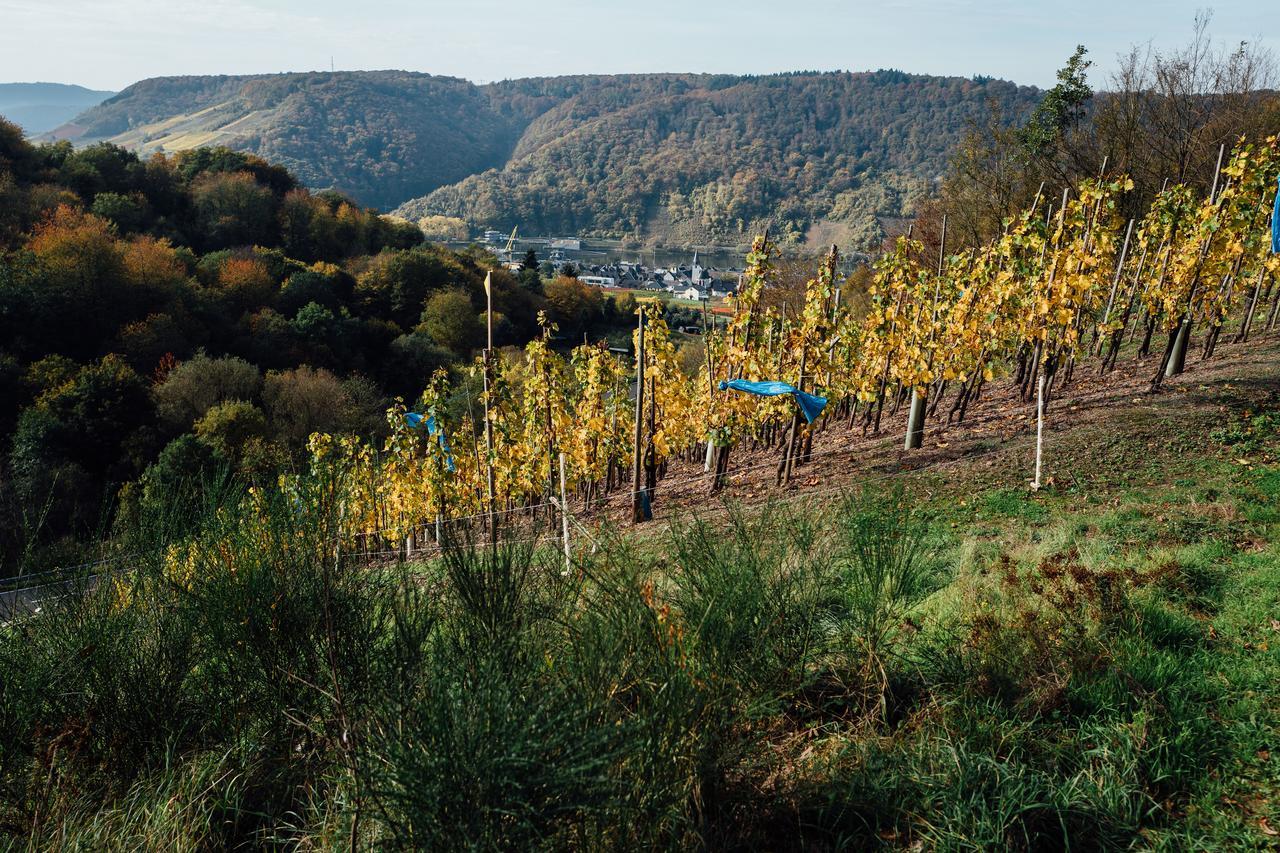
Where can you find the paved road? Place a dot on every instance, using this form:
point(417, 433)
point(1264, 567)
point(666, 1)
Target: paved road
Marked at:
point(26, 600)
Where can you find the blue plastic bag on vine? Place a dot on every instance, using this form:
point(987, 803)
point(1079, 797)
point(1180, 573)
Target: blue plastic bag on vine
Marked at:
point(811, 405)
point(417, 421)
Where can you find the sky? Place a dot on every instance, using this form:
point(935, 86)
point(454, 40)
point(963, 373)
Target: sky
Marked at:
point(108, 44)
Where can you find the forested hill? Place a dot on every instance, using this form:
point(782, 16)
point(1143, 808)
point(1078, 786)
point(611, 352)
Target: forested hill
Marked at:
point(716, 157)
point(673, 155)
point(380, 136)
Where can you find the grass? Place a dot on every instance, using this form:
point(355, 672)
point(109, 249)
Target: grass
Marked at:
point(1094, 666)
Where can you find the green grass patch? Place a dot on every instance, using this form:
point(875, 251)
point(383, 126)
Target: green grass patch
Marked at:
point(1014, 503)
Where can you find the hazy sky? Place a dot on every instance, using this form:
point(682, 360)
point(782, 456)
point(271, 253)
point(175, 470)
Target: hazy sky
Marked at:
point(111, 43)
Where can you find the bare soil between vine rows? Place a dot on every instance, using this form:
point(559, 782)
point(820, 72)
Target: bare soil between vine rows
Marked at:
point(1096, 428)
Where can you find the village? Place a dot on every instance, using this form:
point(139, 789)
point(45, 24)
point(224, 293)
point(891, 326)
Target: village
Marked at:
point(692, 281)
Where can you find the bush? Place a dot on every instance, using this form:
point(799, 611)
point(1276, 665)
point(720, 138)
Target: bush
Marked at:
point(84, 436)
point(194, 387)
point(242, 646)
point(752, 590)
point(500, 747)
point(302, 401)
point(93, 684)
point(487, 761)
point(187, 471)
point(232, 429)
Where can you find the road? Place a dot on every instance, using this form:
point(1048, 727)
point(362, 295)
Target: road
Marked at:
point(23, 601)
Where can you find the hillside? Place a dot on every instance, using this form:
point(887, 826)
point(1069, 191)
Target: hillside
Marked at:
point(717, 158)
point(674, 156)
point(380, 136)
point(118, 277)
point(40, 107)
point(291, 572)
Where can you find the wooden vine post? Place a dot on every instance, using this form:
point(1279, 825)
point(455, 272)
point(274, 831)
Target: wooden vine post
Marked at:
point(1176, 359)
point(1243, 334)
point(915, 416)
point(637, 459)
point(787, 463)
point(564, 519)
point(1035, 484)
point(711, 392)
point(1111, 299)
point(491, 487)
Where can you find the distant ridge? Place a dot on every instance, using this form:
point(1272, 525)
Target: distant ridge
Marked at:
point(40, 107)
point(674, 157)
point(380, 136)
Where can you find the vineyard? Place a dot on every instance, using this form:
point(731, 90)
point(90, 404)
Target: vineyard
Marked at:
point(1067, 283)
point(952, 525)
point(857, 650)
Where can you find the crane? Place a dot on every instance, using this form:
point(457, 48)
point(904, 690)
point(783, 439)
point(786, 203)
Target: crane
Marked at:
point(507, 258)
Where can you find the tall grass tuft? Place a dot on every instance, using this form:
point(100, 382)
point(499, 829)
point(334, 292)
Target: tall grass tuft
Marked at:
point(887, 562)
point(750, 589)
point(250, 629)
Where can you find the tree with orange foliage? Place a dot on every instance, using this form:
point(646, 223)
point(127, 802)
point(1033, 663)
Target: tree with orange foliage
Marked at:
point(245, 284)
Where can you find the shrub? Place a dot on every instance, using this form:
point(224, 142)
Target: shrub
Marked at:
point(194, 387)
point(177, 484)
point(751, 590)
point(305, 400)
point(231, 428)
point(488, 758)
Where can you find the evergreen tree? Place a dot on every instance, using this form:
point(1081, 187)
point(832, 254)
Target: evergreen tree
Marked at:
point(531, 280)
point(1062, 109)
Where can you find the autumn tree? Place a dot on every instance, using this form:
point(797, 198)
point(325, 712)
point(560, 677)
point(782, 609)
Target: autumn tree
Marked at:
point(233, 209)
point(575, 307)
point(197, 385)
point(451, 320)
